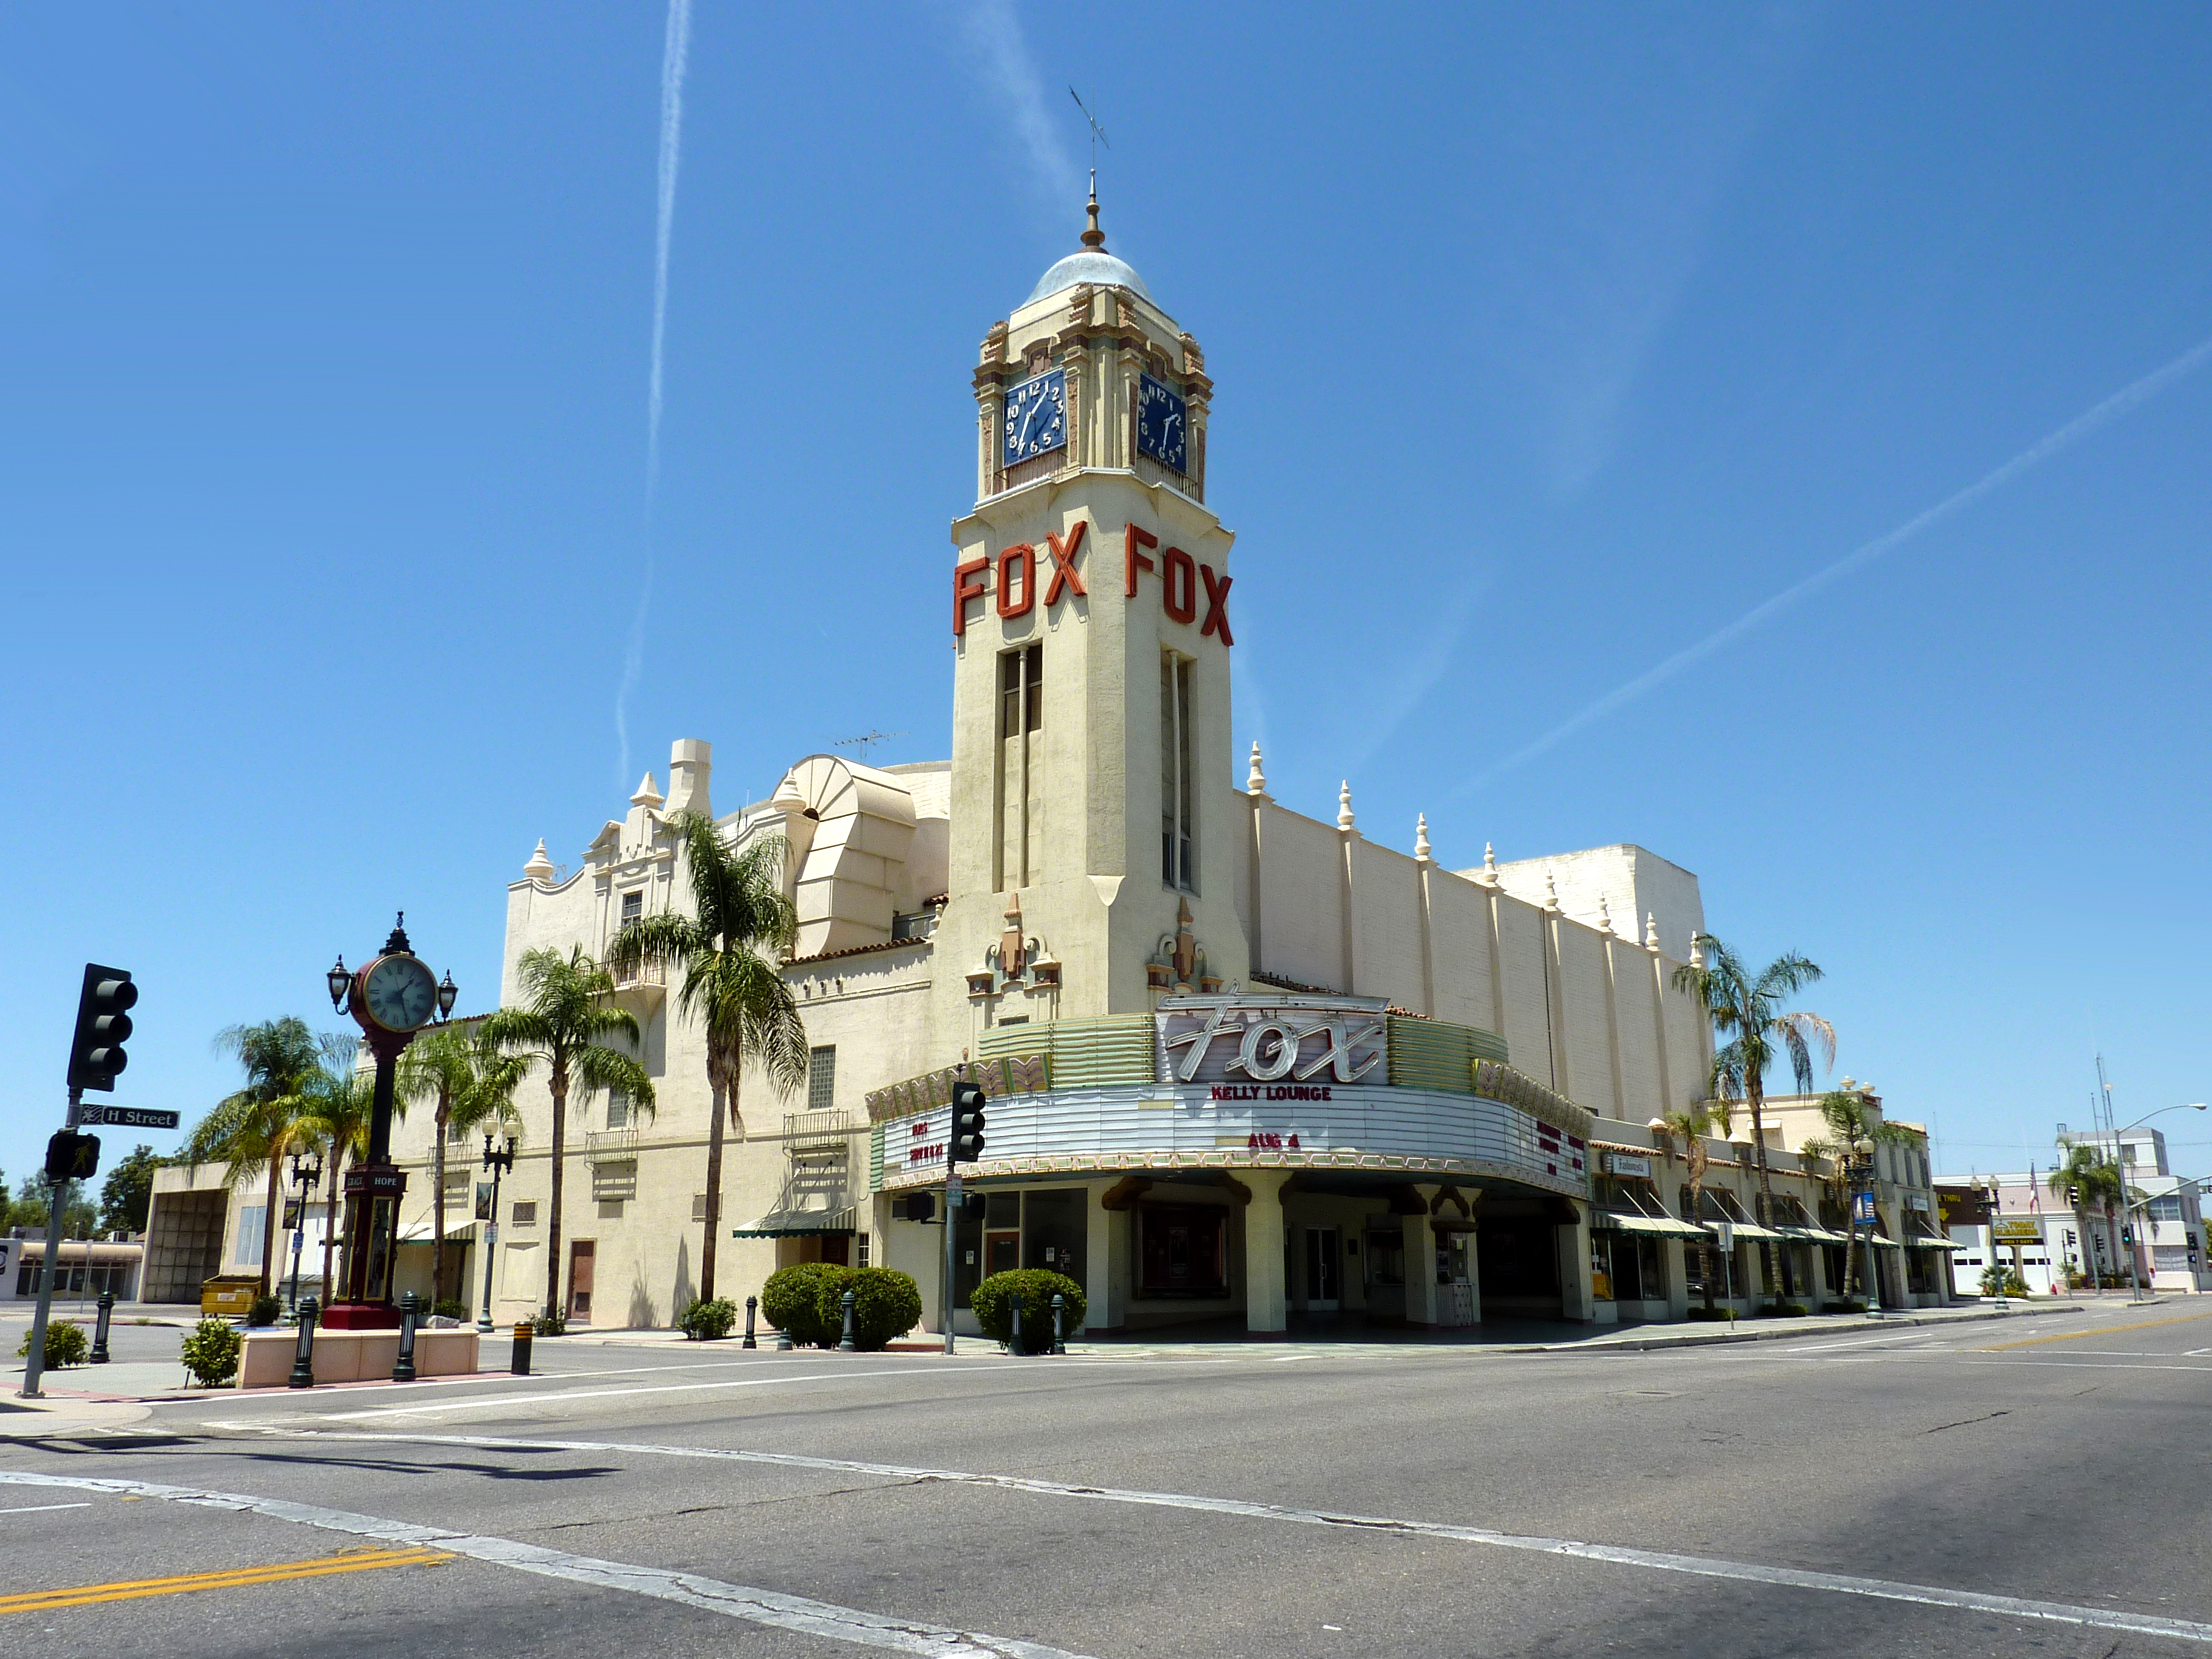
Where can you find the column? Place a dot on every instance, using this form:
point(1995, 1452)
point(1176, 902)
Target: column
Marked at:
point(1105, 1258)
point(1578, 1296)
point(1266, 1303)
point(1678, 1278)
point(1421, 1262)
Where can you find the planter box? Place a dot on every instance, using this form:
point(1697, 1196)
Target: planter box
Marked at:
point(354, 1356)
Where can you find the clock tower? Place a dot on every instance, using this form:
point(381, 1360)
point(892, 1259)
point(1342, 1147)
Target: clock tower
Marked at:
point(1094, 849)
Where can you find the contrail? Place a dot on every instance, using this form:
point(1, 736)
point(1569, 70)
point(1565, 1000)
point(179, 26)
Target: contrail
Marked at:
point(2120, 403)
point(993, 31)
point(675, 54)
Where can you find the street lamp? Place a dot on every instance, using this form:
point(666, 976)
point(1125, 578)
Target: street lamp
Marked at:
point(340, 980)
point(2127, 1206)
point(1862, 1188)
point(306, 1172)
point(498, 1164)
point(447, 993)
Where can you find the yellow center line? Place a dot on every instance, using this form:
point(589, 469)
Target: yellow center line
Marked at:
point(132, 1590)
point(2102, 1330)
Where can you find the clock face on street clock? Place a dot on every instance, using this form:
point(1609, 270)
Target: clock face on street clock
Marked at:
point(1036, 417)
point(401, 993)
point(1160, 432)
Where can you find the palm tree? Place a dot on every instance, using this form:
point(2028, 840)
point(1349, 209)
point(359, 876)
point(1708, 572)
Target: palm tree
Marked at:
point(250, 1131)
point(740, 911)
point(1746, 1011)
point(565, 1021)
point(2088, 1175)
point(1849, 1122)
point(337, 1104)
point(473, 1083)
point(1692, 1125)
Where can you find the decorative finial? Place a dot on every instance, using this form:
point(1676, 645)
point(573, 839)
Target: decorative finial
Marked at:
point(1697, 950)
point(540, 867)
point(1651, 931)
point(1421, 836)
point(647, 794)
point(1343, 805)
point(1551, 892)
point(1604, 916)
point(1256, 782)
point(1489, 861)
point(1094, 238)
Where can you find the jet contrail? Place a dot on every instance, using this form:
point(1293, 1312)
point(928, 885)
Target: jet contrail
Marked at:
point(2120, 403)
point(675, 53)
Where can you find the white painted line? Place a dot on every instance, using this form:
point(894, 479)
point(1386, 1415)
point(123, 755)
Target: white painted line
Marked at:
point(1868, 1341)
point(488, 1400)
point(40, 1509)
point(757, 1606)
point(1882, 1589)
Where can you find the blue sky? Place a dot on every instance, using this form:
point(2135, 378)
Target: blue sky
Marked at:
point(1548, 342)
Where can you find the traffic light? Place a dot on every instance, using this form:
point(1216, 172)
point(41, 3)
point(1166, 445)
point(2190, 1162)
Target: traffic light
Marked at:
point(102, 1022)
point(72, 1156)
point(967, 1122)
point(918, 1207)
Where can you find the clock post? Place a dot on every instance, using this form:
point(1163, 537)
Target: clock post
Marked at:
point(391, 998)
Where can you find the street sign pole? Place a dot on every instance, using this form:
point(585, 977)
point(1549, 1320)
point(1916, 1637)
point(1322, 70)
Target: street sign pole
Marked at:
point(34, 1363)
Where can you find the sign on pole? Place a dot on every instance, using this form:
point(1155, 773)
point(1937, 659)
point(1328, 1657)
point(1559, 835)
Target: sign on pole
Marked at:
point(125, 1117)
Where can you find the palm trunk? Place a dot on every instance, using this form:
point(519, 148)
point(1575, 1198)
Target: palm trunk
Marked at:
point(331, 1218)
point(713, 1195)
point(269, 1215)
point(438, 1198)
point(558, 1082)
point(1754, 1096)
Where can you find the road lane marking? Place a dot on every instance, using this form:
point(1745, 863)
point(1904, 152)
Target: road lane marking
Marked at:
point(39, 1509)
point(1883, 1589)
point(2101, 1330)
point(556, 1395)
point(278, 1572)
point(759, 1606)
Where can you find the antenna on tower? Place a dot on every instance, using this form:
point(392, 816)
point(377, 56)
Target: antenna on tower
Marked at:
point(1097, 136)
point(865, 741)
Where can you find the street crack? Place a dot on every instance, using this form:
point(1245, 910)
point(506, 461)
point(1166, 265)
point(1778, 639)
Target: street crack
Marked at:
point(1964, 1421)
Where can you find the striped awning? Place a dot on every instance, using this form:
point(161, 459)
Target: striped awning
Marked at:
point(1814, 1236)
point(1628, 1221)
point(801, 1224)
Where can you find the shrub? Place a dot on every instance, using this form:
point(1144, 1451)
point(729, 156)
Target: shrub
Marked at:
point(451, 1307)
point(993, 1302)
point(267, 1310)
point(1848, 1305)
point(790, 1301)
point(1782, 1310)
point(1702, 1312)
point(885, 1304)
point(705, 1321)
point(551, 1324)
point(210, 1353)
point(65, 1345)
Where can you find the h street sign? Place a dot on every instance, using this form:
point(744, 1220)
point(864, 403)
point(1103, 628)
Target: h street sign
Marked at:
point(125, 1117)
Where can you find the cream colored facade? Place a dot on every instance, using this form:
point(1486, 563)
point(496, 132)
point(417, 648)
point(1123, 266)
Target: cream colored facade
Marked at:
point(1084, 872)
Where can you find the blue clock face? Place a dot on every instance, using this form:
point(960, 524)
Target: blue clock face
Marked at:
point(1160, 426)
point(1036, 417)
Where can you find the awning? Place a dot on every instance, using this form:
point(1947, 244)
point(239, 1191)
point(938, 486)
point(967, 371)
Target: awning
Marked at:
point(1748, 1229)
point(1814, 1235)
point(1627, 1221)
point(1932, 1245)
point(421, 1232)
point(800, 1224)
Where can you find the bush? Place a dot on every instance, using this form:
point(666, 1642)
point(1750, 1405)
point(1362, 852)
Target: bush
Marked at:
point(993, 1302)
point(1701, 1311)
point(1782, 1310)
point(65, 1345)
point(210, 1353)
point(885, 1304)
point(267, 1310)
point(790, 1301)
point(1848, 1305)
point(552, 1324)
point(451, 1307)
point(706, 1322)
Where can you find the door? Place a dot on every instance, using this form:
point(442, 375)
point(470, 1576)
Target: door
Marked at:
point(1002, 1252)
point(580, 1253)
point(1321, 1249)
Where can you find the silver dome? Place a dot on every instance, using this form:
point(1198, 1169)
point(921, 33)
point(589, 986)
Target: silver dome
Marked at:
point(1090, 265)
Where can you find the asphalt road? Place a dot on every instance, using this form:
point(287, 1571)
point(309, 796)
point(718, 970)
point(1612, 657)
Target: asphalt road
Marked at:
point(1999, 1488)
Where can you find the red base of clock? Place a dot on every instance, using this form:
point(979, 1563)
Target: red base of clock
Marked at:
point(361, 1317)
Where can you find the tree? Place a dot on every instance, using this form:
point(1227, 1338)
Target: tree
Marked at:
point(1747, 1012)
point(1692, 1125)
point(34, 1207)
point(2087, 1177)
point(337, 1105)
point(473, 1083)
point(249, 1132)
point(1850, 1120)
point(739, 911)
point(128, 1192)
point(565, 1021)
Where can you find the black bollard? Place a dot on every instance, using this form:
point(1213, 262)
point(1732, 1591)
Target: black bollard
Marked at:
point(1015, 1346)
point(848, 1346)
point(411, 1309)
point(752, 1303)
point(99, 1330)
point(1059, 1317)
point(520, 1364)
point(303, 1356)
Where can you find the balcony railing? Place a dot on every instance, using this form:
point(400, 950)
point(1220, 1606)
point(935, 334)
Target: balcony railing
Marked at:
point(809, 1128)
point(611, 1146)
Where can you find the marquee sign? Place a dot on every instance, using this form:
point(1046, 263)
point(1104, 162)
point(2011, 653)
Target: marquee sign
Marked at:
point(1015, 579)
point(1015, 1074)
point(1272, 1049)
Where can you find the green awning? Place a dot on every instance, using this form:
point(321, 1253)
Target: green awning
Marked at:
point(800, 1224)
point(1627, 1221)
point(1814, 1236)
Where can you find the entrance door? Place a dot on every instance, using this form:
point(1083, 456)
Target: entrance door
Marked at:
point(581, 1254)
point(1322, 1249)
point(1002, 1252)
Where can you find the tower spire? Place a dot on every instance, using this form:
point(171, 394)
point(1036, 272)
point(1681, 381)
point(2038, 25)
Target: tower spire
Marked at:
point(1094, 238)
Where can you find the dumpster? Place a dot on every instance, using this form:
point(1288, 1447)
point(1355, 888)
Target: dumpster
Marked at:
point(227, 1297)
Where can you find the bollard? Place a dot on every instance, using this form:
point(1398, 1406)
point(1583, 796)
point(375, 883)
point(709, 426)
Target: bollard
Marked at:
point(520, 1364)
point(752, 1303)
point(411, 1309)
point(100, 1330)
point(848, 1346)
point(303, 1356)
point(1014, 1345)
point(1059, 1317)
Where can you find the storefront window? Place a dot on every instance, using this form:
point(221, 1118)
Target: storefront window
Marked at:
point(1184, 1251)
point(1386, 1258)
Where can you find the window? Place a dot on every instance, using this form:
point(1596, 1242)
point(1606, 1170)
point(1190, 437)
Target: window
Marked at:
point(456, 1134)
point(698, 1206)
point(1021, 692)
point(1020, 772)
point(821, 1077)
point(2170, 1258)
point(860, 1250)
point(610, 1209)
point(252, 1218)
point(526, 1212)
point(633, 908)
point(2166, 1206)
point(1184, 1250)
point(617, 1109)
point(1178, 804)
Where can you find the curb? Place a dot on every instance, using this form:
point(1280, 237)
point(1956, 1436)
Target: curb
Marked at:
point(1887, 1321)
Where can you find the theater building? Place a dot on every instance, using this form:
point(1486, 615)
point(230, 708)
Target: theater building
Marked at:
point(1245, 1064)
